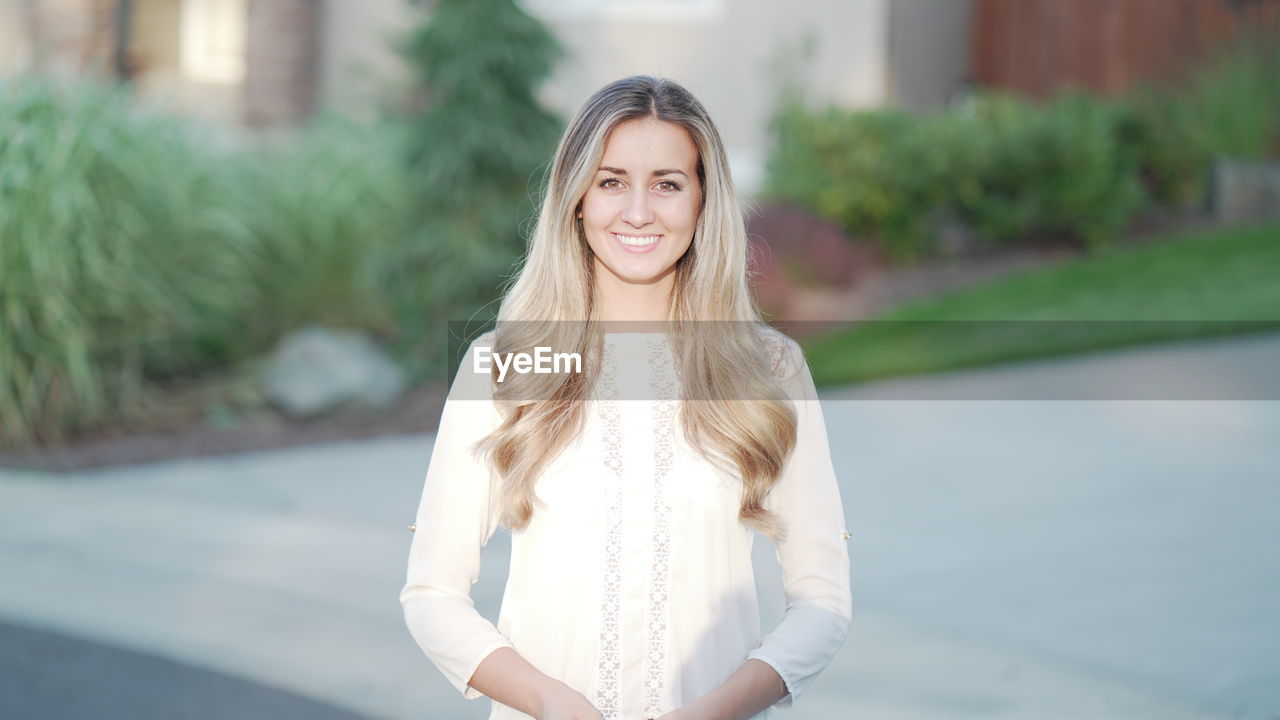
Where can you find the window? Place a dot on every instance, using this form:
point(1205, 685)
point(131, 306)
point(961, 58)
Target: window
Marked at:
point(213, 40)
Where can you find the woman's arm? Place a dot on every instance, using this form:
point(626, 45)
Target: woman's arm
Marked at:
point(814, 558)
point(511, 680)
point(456, 518)
point(813, 553)
point(752, 688)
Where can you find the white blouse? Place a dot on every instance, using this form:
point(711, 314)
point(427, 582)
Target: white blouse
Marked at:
point(633, 581)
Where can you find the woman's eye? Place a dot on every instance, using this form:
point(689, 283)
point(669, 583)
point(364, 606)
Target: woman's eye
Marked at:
point(665, 185)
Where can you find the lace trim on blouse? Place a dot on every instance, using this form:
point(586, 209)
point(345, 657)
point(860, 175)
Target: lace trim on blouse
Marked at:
point(609, 657)
point(663, 385)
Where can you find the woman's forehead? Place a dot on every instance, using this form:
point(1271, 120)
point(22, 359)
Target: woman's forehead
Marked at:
point(641, 146)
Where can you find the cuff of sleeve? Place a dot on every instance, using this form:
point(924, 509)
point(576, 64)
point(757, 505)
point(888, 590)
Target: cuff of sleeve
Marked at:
point(802, 646)
point(785, 702)
point(469, 692)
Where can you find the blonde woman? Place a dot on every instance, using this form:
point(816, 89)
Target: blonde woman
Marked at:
point(632, 483)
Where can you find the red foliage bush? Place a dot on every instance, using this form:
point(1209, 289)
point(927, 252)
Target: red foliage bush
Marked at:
point(792, 248)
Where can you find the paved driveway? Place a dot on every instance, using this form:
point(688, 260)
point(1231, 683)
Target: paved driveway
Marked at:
point(1010, 559)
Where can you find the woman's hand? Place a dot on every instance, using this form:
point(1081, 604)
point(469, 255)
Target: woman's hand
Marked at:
point(562, 702)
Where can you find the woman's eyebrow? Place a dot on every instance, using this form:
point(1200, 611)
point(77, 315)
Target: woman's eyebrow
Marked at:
point(656, 173)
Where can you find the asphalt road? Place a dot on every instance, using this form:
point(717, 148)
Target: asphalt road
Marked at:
point(51, 676)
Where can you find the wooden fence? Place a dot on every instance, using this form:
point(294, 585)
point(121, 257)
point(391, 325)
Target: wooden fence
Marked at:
point(1041, 46)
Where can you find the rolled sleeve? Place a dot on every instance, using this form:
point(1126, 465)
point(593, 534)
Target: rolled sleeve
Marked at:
point(456, 518)
point(814, 554)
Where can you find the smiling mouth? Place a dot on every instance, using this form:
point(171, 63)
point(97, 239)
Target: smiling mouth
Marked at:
point(637, 241)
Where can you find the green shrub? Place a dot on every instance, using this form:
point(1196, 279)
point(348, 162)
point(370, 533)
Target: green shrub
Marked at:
point(1077, 167)
point(1229, 107)
point(324, 206)
point(132, 255)
point(1008, 168)
point(1061, 170)
point(1171, 148)
point(853, 169)
point(120, 257)
point(475, 155)
point(1236, 100)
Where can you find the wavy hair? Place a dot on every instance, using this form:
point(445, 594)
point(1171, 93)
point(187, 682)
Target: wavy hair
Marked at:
point(552, 302)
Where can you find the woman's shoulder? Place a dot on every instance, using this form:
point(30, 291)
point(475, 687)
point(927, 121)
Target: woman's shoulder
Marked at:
point(471, 381)
point(786, 357)
point(484, 339)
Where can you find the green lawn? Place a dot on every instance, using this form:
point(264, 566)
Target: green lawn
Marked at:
point(1191, 285)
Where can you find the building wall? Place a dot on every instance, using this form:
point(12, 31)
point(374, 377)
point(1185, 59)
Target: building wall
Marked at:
point(188, 56)
point(729, 53)
point(732, 54)
point(929, 52)
point(281, 60)
point(63, 37)
point(155, 37)
point(735, 55)
point(358, 65)
point(15, 36)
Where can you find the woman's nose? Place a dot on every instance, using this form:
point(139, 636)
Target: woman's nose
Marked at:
point(638, 212)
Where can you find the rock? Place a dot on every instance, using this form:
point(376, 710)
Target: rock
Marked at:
point(1245, 190)
point(315, 370)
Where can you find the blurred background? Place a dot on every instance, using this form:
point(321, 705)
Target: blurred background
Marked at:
point(239, 237)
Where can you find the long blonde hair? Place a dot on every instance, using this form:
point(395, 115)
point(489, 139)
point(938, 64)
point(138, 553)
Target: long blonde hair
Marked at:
point(746, 425)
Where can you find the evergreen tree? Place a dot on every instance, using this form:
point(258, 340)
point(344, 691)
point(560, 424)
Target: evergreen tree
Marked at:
point(477, 153)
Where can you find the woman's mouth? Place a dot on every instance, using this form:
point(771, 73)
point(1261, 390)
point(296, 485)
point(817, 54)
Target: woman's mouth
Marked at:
point(637, 243)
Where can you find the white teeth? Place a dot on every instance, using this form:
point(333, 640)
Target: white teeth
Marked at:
point(637, 241)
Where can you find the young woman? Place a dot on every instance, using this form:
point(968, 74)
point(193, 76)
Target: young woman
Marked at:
point(632, 487)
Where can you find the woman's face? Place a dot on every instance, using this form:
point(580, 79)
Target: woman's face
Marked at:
point(641, 210)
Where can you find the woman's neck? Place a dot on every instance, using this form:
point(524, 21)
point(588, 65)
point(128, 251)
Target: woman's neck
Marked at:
point(634, 303)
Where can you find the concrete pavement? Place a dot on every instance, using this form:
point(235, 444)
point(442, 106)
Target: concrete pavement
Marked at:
point(1011, 559)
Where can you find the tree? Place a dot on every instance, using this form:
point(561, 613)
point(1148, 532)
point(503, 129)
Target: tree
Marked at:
point(476, 153)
